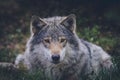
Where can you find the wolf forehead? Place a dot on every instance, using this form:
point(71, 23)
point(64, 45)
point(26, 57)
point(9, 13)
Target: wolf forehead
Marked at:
point(54, 20)
point(53, 28)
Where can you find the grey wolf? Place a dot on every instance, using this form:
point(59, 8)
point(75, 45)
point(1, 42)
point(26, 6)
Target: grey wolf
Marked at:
point(55, 49)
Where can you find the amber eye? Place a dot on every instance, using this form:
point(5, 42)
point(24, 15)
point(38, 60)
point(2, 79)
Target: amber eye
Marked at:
point(47, 40)
point(62, 40)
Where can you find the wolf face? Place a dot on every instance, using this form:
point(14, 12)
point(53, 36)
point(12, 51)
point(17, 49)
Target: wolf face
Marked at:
point(50, 37)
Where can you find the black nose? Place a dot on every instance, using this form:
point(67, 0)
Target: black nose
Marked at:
point(55, 57)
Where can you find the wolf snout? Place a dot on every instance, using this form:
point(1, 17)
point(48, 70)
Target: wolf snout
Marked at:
point(56, 57)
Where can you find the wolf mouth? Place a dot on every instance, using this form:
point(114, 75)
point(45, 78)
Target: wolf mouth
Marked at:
point(55, 62)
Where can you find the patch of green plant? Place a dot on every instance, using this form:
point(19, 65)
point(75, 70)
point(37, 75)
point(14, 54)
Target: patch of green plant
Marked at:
point(12, 74)
point(94, 35)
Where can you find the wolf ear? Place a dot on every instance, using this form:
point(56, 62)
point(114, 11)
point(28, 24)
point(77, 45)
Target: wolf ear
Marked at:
point(70, 22)
point(37, 24)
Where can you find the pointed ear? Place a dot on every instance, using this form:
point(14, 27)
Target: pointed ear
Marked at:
point(37, 24)
point(70, 22)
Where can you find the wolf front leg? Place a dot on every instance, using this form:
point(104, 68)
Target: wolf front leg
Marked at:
point(19, 60)
point(22, 62)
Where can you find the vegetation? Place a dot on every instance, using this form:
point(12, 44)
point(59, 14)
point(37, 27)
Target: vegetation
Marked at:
point(98, 21)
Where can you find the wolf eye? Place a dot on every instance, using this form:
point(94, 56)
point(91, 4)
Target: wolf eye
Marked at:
point(47, 40)
point(62, 40)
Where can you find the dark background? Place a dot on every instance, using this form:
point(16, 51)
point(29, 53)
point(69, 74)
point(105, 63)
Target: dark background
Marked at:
point(98, 21)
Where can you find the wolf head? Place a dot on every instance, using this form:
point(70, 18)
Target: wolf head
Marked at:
point(51, 37)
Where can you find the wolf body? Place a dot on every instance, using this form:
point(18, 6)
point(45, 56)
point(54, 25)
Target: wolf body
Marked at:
point(56, 50)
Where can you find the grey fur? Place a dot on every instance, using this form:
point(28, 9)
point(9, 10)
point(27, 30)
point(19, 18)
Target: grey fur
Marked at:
point(78, 56)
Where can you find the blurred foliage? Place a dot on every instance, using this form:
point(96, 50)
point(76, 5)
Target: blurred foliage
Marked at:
point(94, 35)
point(98, 21)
